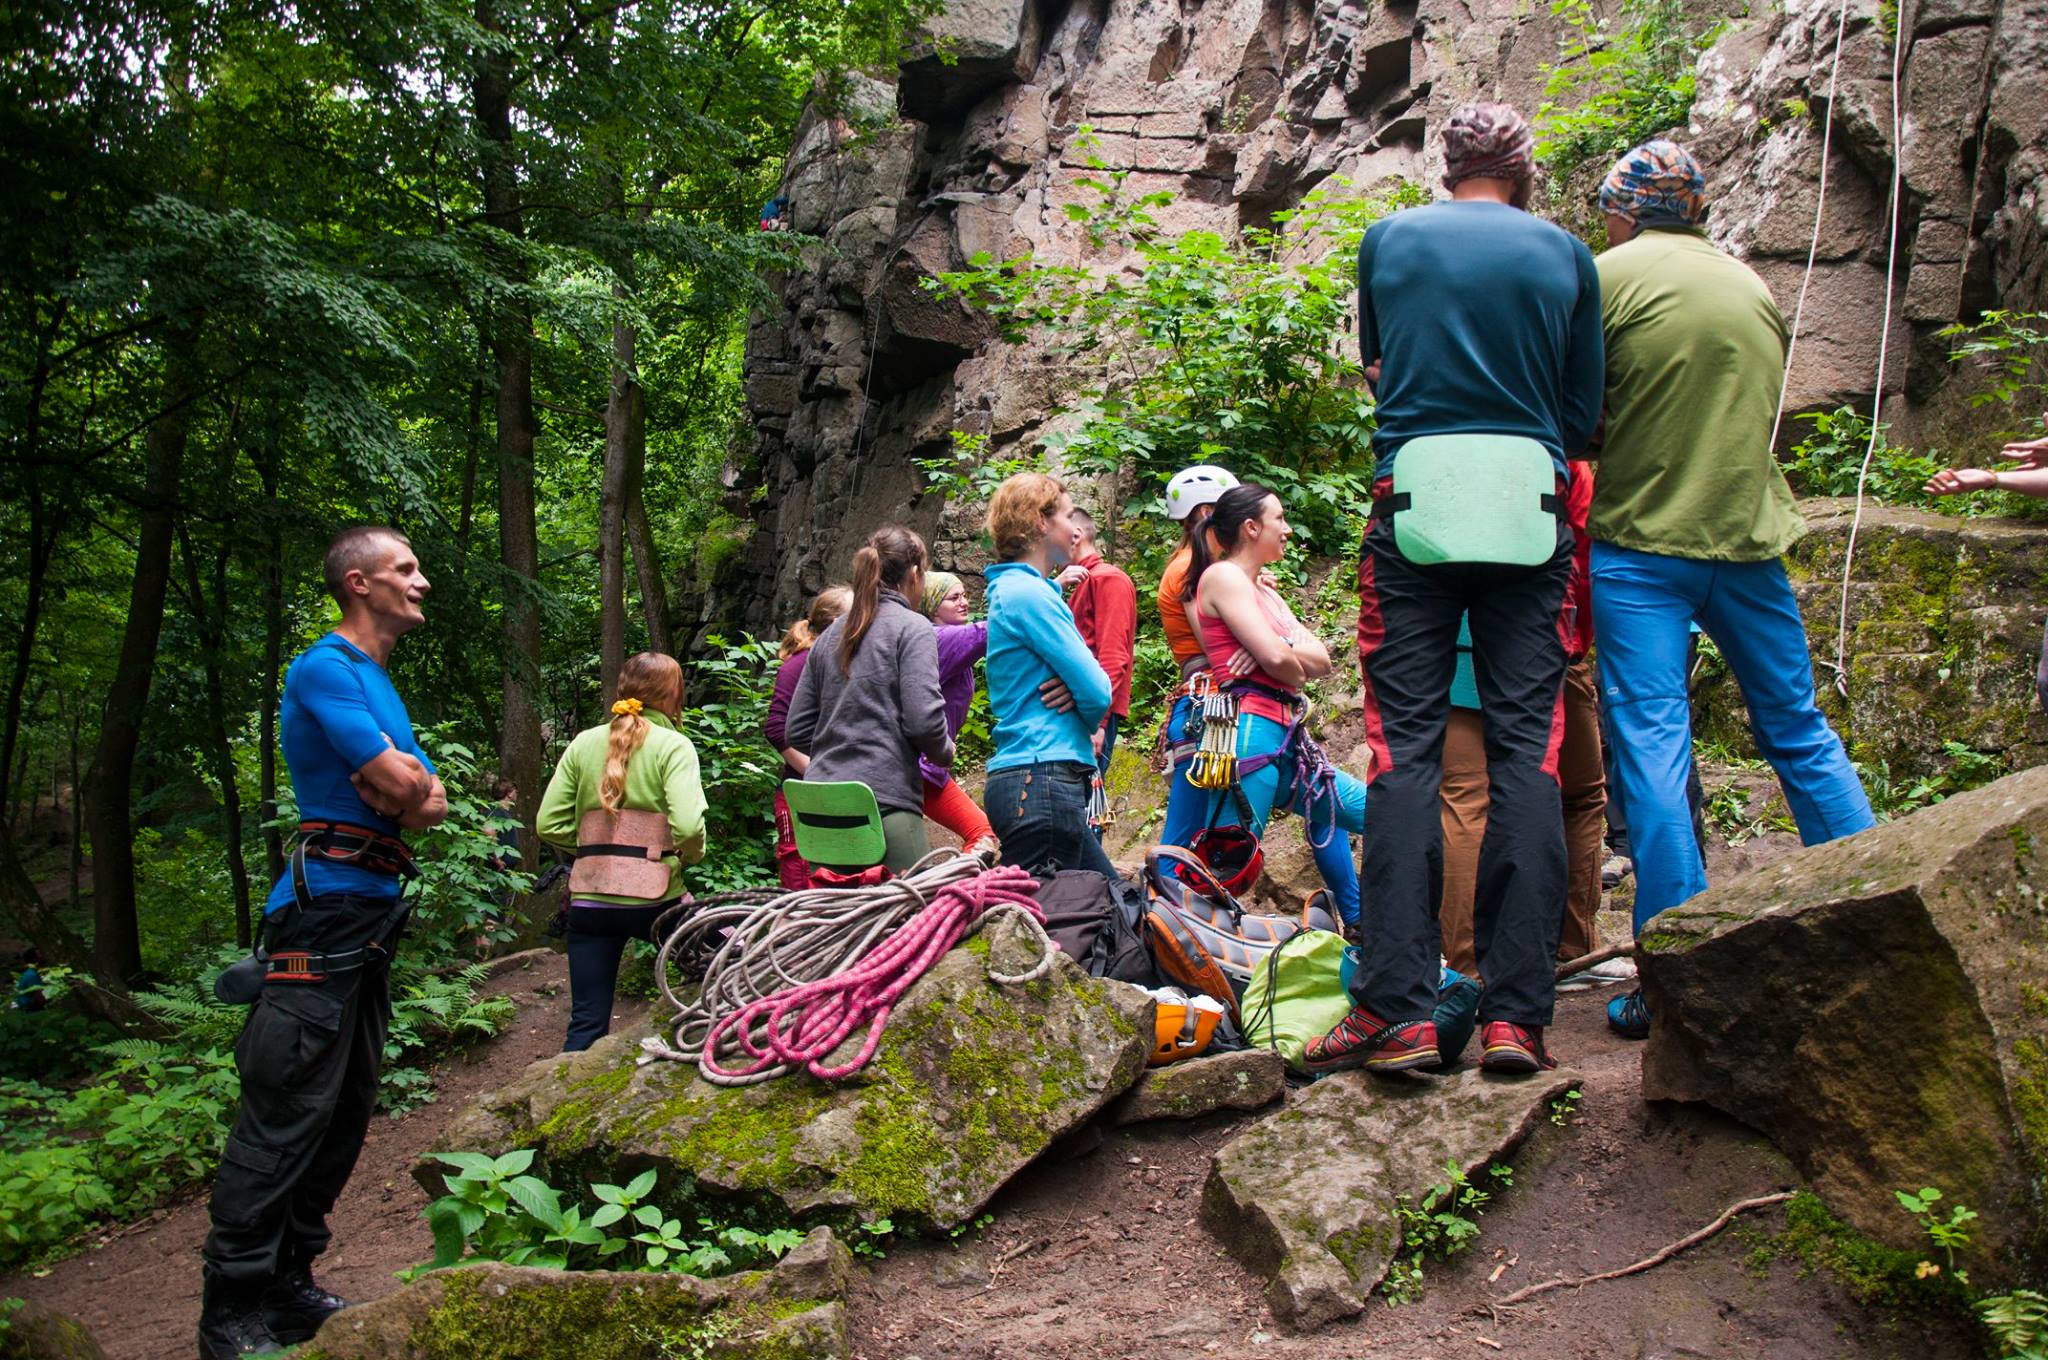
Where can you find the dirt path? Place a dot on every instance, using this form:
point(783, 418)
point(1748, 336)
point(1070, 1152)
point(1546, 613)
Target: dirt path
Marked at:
point(139, 1291)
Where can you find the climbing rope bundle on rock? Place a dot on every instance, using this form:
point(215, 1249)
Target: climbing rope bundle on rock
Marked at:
point(787, 980)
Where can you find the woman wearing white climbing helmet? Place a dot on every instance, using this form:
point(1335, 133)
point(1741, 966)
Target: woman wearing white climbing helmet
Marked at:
point(1190, 498)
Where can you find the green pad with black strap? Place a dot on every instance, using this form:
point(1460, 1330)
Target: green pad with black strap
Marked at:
point(838, 825)
point(1486, 498)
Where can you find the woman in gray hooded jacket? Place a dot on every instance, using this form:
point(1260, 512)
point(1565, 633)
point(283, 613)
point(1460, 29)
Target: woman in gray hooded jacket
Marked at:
point(869, 701)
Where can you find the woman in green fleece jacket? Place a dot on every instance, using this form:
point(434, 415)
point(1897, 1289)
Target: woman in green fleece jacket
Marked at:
point(627, 801)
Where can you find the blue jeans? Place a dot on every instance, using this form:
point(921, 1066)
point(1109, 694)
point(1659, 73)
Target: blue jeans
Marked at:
point(1040, 813)
point(1274, 785)
point(1643, 605)
point(1186, 808)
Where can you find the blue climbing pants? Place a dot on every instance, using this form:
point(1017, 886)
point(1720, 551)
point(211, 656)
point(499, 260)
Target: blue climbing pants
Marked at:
point(1643, 605)
point(1186, 808)
point(1274, 785)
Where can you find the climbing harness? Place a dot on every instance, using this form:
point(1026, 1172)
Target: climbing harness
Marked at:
point(789, 979)
point(1215, 764)
point(1473, 498)
point(623, 854)
point(242, 983)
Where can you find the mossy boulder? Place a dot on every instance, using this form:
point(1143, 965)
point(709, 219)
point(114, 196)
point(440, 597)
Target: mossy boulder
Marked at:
point(1308, 1196)
point(1878, 1006)
point(973, 1079)
point(34, 1332)
point(1250, 1079)
point(1944, 630)
point(499, 1312)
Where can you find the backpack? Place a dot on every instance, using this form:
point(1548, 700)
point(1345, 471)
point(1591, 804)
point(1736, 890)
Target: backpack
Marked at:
point(1297, 994)
point(1201, 937)
point(1097, 923)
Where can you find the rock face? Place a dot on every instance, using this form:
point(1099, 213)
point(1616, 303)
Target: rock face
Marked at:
point(1238, 108)
point(1879, 1007)
point(499, 1312)
point(1248, 1080)
point(972, 1081)
point(1944, 629)
point(1307, 1197)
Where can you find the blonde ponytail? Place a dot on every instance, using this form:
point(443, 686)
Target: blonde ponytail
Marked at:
point(648, 677)
point(827, 605)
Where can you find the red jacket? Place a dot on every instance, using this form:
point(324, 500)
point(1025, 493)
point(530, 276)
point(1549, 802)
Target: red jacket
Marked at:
point(1578, 594)
point(1105, 607)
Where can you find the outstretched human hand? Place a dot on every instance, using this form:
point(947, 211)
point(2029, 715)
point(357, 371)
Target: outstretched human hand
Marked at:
point(1954, 481)
point(2032, 453)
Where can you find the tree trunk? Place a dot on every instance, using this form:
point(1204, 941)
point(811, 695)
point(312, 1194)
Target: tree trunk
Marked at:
point(519, 744)
point(117, 940)
point(77, 859)
point(273, 663)
point(611, 506)
point(646, 559)
point(42, 540)
point(211, 621)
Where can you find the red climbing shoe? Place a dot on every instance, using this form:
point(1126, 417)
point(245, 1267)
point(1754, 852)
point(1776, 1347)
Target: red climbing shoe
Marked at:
point(1508, 1047)
point(1362, 1039)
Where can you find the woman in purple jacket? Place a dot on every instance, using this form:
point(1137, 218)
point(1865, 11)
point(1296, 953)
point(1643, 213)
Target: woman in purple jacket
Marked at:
point(961, 646)
point(829, 604)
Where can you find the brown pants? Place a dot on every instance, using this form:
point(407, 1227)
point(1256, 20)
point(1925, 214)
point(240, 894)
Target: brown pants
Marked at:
point(1583, 782)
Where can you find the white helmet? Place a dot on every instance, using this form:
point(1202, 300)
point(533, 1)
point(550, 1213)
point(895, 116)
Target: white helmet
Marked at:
point(1195, 486)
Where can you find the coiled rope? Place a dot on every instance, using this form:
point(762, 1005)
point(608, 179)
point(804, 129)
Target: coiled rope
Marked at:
point(789, 979)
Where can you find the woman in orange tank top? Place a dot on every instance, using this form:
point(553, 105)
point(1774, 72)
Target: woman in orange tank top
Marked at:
point(1278, 763)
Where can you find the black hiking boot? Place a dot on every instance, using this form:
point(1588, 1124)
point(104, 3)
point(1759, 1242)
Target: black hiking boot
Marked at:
point(231, 1321)
point(294, 1306)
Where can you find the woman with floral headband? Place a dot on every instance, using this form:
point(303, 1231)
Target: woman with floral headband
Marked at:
point(626, 801)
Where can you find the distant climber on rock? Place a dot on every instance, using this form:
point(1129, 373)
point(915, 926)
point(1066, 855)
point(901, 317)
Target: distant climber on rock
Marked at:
point(1482, 324)
point(1046, 692)
point(1690, 516)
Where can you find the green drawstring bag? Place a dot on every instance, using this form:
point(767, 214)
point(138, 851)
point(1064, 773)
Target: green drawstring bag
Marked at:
point(1296, 994)
point(1473, 498)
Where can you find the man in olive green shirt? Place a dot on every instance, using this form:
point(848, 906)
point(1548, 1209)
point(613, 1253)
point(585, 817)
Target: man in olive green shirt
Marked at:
point(1690, 515)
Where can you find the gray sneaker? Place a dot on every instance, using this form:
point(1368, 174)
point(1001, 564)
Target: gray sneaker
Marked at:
point(1599, 975)
point(1614, 870)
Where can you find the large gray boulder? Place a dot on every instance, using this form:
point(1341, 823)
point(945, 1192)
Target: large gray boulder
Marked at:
point(1878, 1006)
point(34, 1332)
point(1250, 1079)
point(972, 1081)
point(498, 1312)
point(1308, 1196)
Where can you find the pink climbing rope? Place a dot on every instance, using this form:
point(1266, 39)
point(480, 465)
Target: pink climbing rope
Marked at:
point(802, 1025)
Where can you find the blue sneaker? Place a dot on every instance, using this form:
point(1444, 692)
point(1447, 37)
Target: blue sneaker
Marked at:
point(1628, 1016)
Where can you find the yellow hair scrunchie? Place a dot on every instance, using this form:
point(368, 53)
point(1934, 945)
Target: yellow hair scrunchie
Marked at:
point(627, 708)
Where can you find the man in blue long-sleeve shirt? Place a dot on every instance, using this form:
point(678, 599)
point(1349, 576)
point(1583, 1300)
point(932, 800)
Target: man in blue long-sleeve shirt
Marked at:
point(1475, 319)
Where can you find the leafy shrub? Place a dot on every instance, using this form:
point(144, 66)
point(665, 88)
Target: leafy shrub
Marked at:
point(1829, 460)
point(1617, 82)
point(154, 1119)
point(2008, 346)
point(1209, 351)
point(495, 1210)
point(460, 895)
point(1443, 1225)
point(740, 774)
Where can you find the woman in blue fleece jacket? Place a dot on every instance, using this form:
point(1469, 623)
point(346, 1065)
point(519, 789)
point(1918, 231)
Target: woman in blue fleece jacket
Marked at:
point(1045, 690)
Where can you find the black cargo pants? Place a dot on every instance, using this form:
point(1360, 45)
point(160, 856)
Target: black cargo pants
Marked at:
point(309, 1058)
point(1407, 649)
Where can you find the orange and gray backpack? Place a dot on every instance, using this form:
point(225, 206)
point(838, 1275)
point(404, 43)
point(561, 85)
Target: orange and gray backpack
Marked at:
point(1201, 937)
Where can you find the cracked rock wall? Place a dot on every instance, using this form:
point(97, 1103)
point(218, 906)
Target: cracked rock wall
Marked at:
point(1241, 107)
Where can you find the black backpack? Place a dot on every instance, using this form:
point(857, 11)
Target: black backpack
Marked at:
point(1097, 923)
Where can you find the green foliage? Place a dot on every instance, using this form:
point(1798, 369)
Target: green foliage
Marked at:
point(739, 773)
point(1951, 1233)
point(1967, 769)
point(495, 1210)
point(459, 897)
point(1828, 461)
point(1618, 80)
point(1210, 351)
point(1443, 1225)
point(2018, 1323)
point(969, 473)
point(871, 1238)
point(1877, 1275)
point(2009, 347)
